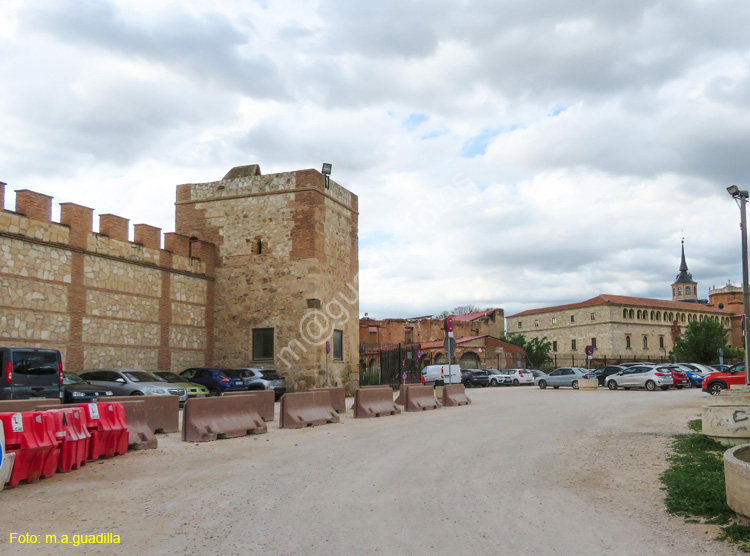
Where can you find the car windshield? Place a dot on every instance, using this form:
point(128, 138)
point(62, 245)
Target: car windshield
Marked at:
point(170, 377)
point(142, 376)
point(72, 378)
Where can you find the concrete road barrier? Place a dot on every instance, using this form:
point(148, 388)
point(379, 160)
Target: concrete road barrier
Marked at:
point(19, 406)
point(306, 409)
point(729, 424)
point(401, 398)
point(266, 405)
point(206, 419)
point(338, 398)
point(588, 384)
point(420, 398)
point(162, 412)
point(737, 477)
point(454, 395)
point(140, 435)
point(374, 402)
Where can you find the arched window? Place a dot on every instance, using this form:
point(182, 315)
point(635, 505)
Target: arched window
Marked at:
point(687, 290)
point(631, 313)
point(671, 317)
point(679, 290)
point(627, 342)
point(658, 315)
point(645, 342)
point(624, 313)
point(652, 315)
point(639, 314)
point(682, 317)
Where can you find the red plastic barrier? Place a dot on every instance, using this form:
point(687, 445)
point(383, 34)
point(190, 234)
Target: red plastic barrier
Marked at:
point(31, 437)
point(73, 439)
point(109, 431)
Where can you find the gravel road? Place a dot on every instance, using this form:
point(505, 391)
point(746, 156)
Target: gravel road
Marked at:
point(521, 471)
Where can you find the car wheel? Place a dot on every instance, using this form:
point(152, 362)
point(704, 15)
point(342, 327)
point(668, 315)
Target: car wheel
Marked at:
point(136, 393)
point(626, 387)
point(612, 385)
point(555, 387)
point(664, 388)
point(574, 384)
point(214, 393)
point(650, 385)
point(515, 382)
point(689, 385)
point(469, 384)
point(542, 384)
point(494, 382)
point(715, 388)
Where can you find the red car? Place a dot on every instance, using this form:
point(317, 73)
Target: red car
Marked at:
point(721, 380)
point(679, 378)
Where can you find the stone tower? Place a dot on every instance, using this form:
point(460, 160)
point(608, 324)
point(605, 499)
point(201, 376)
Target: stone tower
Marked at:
point(286, 272)
point(684, 288)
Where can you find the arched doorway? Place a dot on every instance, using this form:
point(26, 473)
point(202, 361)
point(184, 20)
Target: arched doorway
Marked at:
point(469, 360)
point(440, 359)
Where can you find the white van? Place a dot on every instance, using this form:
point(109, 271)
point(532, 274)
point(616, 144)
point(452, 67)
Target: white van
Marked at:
point(437, 375)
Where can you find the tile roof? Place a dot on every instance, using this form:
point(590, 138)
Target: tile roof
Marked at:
point(604, 299)
point(439, 344)
point(473, 316)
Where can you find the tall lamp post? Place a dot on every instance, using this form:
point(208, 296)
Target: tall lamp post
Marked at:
point(741, 197)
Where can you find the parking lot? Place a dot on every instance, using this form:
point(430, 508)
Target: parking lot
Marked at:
point(520, 471)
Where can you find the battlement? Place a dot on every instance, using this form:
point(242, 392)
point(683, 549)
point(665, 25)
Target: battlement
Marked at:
point(33, 219)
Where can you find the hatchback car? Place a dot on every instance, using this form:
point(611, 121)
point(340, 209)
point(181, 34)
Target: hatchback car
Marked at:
point(679, 378)
point(194, 390)
point(475, 377)
point(77, 390)
point(564, 376)
point(129, 382)
point(519, 376)
point(216, 380)
point(642, 376)
point(263, 379)
point(714, 383)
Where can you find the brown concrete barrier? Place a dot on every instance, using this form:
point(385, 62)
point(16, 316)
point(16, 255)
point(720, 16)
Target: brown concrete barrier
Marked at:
point(338, 398)
point(588, 384)
point(420, 398)
point(737, 479)
point(454, 395)
point(401, 398)
point(306, 409)
point(267, 402)
point(374, 402)
point(162, 412)
point(140, 435)
point(206, 419)
point(17, 406)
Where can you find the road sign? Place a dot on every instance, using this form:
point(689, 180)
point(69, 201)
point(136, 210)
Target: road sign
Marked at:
point(328, 347)
point(449, 324)
point(589, 350)
point(404, 375)
point(449, 345)
point(419, 354)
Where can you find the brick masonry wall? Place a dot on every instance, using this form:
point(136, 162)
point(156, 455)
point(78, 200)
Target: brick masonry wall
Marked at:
point(286, 247)
point(392, 331)
point(102, 301)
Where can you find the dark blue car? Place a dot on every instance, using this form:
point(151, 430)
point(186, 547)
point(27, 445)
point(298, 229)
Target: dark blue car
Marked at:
point(216, 380)
point(696, 379)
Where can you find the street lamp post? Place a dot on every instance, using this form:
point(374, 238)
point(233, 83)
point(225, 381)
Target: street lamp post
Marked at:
point(741, 197)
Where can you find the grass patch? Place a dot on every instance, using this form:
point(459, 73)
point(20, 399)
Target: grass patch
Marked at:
point(695, 485)
point(696, 425)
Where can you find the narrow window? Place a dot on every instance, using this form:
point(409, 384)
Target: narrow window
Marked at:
point(631, 313)
point(687, 290)
point(627, 342)
point(573, 345)
point(338, 345)
point(572, 318)
point(536, 323)
point(262, 344)
point(661, 342)
point(554, 320)
point(645, 342)
point(408, 335)
point(679, 290)
point(593, 343)
point(624, 313)
point(260, 247)
point(554, 345)
point(593, 316)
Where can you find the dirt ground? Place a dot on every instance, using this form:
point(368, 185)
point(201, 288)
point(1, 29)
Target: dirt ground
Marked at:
point(520, 471)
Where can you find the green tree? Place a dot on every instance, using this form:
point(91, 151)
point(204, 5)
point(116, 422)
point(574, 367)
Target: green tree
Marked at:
point(537, 349)
point(700, 342)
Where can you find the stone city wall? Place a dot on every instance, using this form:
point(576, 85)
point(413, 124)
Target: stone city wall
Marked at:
point(101, 299)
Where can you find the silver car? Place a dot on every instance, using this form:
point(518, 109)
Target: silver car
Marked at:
point(261, 379)
point(564, 376)
point(128, 382)
point(497, 378)
point(641, 376)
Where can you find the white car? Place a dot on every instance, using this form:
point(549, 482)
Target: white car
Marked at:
point(641, 376)
point(519, 376)
point(498, 378)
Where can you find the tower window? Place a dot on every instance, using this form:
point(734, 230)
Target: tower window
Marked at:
point(679, 291)
point(687, 290)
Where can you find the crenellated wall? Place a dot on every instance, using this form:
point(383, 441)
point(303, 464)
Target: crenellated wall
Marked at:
point(100, 298)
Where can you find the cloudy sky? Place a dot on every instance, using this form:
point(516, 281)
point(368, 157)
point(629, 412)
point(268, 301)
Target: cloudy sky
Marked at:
point(508, 154)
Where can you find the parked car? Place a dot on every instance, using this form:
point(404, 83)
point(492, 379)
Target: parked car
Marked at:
point(475, 377)
point(564, 376)
point(130, 382)
point(721, 368)
point(697, 368)
point(537, 374)
point(642, 376)
point(519, 376)
point(695, 378)
point(715, 382)
point(437, 375)
point(602, 373)
point(77, 390)
point(497, 378)
point(30, 373)
point(636, 364)
point(194, 390)
point(679, 378)
point(263, 379)
point(215, 380)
